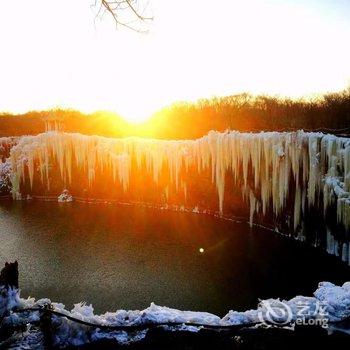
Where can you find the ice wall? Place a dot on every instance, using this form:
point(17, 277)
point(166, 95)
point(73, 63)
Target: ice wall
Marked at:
point(6, 143)
point(312, 169)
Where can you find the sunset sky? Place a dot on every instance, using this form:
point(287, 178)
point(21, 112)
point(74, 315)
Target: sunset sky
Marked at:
point(54, 53)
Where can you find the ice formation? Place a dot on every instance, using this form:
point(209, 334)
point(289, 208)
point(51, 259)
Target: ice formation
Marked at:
point(5, 176)
point(263, 164)
point(6, 143)
point(330, 303)
point(64, 197)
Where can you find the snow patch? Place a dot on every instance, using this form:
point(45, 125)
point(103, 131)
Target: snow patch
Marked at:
point(65, 196)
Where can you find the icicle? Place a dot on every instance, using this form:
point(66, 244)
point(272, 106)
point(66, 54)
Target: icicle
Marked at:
point(345, 252)
point(330, 243)
point(252, 204)
point(297, 208)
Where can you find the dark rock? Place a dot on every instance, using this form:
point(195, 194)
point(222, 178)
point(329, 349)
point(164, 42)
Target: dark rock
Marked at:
point(305, 337)
point(9, 275)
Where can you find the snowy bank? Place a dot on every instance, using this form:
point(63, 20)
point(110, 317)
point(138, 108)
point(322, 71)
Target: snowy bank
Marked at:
point(335, 302)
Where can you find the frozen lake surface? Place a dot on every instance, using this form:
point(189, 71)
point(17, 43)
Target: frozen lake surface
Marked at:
point(126, 257)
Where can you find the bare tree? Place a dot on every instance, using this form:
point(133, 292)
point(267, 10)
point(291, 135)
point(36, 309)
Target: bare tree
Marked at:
point(132, 14)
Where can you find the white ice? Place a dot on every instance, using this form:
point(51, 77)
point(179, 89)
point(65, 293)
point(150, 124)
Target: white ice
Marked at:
point(336, 299)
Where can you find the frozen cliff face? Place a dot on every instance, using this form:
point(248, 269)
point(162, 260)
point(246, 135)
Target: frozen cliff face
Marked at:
point(6, 143)
point(263, 164)
point(5, 176)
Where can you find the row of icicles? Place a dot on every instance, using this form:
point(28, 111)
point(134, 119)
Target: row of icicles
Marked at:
point(318, 163)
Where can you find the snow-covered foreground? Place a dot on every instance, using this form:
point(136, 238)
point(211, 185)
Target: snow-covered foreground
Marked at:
point(329, 304)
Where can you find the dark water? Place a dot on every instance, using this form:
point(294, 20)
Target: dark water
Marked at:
point(126, 257)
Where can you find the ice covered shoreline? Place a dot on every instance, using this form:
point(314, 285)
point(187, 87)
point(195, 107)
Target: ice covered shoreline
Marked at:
point(335, 301)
